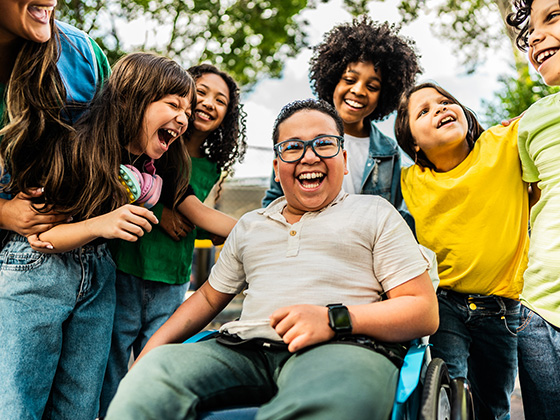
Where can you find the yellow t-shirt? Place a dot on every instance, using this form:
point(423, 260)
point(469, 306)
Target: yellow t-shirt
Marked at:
point(475, 216)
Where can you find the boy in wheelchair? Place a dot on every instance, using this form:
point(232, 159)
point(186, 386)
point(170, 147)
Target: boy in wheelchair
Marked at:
point(315, 340)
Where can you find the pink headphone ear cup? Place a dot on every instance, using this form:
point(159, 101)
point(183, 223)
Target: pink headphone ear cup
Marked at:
point(153, 194)
point(145, 188)
point(147, 184)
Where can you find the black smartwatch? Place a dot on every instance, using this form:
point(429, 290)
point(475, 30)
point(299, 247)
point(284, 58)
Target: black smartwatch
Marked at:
point(339, 320)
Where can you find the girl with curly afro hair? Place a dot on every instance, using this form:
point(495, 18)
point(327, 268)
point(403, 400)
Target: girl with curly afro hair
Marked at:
point(362, 68)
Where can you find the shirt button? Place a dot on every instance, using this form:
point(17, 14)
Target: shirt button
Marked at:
point(293, 233)
point(472, 306)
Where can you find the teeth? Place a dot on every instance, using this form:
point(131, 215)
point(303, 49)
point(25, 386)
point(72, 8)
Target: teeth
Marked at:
point(446, 119)
point(204, 114)
point(545, 54)
point(354, 104)
point(171, 132)
point(312, 185)
point(48, 8)
point(312, 175)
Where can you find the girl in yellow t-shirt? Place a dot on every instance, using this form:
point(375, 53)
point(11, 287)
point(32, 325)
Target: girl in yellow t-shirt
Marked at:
point(471, 207)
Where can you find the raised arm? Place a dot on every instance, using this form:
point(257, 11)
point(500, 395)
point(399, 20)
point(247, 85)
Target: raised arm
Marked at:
point(411, 311)
point(193, 315)
point(127, 222)
point(206, 217)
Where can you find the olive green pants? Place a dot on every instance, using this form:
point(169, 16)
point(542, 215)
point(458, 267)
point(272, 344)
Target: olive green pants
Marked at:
point(330, 381)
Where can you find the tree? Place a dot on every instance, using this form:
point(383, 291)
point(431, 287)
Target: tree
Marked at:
point(514, 96)
point(478, 27)
point(248, 38)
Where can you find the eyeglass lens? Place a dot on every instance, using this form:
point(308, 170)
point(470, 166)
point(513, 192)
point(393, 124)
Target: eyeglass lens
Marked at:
point(324, 147)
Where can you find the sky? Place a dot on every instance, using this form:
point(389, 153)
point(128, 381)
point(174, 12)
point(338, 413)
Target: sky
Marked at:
point(438, 59)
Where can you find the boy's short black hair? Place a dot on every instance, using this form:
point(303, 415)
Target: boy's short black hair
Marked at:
point(520, 20)
point(304, 105)
point(363, 40)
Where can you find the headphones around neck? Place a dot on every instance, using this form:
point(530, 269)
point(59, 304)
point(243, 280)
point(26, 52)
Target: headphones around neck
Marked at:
point(143, 188)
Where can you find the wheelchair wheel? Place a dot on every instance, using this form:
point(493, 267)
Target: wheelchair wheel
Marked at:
point(436, 396)
point(462, 407)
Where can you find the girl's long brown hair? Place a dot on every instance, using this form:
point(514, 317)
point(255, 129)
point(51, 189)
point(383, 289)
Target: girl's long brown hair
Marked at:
point(116, 119)
point(30, 149)
point(78, 168)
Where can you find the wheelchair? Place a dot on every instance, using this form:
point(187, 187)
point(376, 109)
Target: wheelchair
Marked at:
point(424, 391)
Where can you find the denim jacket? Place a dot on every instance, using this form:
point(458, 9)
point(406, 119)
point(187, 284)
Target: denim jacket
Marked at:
point(382, 174)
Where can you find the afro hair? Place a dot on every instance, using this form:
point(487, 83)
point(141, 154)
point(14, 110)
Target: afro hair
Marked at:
point(363, 40)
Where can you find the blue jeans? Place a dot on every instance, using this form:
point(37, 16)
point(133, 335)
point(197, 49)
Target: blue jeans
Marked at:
point(56, 313)
point(142, 307)
point(330, 381)
point(477, 339)
point(539, 367)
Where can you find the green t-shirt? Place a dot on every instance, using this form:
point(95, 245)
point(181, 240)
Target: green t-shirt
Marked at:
point(157, 257)
point(539, 150)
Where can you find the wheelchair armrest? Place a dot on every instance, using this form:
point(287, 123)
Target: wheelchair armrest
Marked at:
point(202, 336)
point(409, 376)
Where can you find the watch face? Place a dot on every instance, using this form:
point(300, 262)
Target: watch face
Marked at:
point(341, 317)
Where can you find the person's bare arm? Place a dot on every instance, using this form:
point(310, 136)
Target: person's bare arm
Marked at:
point(206, 217)
point(193, 315)
point(534, 194)
point(127, 222)
point(411, 311)
point(19, 216)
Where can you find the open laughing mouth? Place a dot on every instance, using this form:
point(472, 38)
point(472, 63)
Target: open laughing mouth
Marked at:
point(353, 104)
point(40, 13)
point(203, 115)
point(310, 180)
point(446, 120)
point(167, 136)
point(545, 55)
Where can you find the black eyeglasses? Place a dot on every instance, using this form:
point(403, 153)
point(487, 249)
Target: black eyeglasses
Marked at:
point(325, 146)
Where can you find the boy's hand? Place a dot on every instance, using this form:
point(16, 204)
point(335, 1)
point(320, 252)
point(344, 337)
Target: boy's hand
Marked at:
point(302, 325)
point(127, 222)
point(175, 224)
point(19, 216)
point(217, 240)
point(505, 123)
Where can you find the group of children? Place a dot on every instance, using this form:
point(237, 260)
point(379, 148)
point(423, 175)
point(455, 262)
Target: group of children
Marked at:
point(74, 305)
point(73, 312)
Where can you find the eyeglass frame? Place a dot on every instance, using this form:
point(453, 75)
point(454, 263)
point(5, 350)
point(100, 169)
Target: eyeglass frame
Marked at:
point(307, 143)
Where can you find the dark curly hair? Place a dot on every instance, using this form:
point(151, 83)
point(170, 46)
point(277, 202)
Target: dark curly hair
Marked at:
point(404, 134)
point(306, 105)
point(520, 21)
point(228, 143)
point(363, 40)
